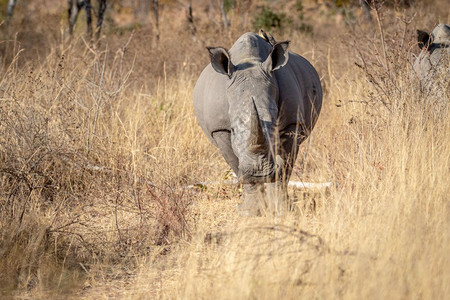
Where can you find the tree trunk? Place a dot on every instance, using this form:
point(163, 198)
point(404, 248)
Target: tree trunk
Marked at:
point(11, 5)
point(88, 8)
point(226, 23)
point(101, 13)
point(156, 15)
point(190, 19)
point(73, 10)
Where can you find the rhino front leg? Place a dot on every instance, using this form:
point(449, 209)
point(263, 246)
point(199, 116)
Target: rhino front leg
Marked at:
point(252, 200)
point(222, 141)
point(277, 198)
point(253, 197)
point(290, 139)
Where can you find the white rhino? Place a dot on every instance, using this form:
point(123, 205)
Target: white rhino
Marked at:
point(433, 61)
point(257, 102)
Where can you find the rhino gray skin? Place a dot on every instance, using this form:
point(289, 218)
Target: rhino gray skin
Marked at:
point(433, 60)
point(257, 102)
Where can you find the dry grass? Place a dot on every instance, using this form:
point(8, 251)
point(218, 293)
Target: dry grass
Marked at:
point(97, 143)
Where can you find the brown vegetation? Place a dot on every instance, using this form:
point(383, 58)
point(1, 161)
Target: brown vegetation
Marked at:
point(98, 142)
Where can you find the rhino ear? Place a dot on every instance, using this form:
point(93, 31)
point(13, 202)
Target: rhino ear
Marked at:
point(220, 60)
point(423, 39)
point(277, 58)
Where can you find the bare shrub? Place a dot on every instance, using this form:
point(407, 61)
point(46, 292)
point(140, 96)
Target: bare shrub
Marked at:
point(73, 169)
point(172, 207)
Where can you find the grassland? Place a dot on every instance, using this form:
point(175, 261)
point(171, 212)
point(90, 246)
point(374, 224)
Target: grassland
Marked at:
point(98, 142)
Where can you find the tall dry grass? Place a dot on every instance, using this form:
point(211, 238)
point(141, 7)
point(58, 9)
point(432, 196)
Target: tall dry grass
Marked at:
point(381, 232)
point(98, 143)
point(91, 164)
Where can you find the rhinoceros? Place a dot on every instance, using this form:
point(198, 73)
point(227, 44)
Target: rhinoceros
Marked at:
point(433, 61)
point(257, 102)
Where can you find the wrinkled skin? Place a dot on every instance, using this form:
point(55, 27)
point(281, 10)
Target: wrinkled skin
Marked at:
point(257, 102)
point(433, 61)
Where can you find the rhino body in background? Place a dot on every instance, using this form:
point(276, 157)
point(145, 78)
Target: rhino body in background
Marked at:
point(433, 62)
point(257, 103)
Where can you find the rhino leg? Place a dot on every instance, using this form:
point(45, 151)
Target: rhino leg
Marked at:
point(223, 142)
point(290, 139)
point(277, 198)
point(252, 200)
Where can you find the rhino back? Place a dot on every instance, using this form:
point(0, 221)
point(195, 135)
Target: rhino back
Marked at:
point(210, 103)
point(249, 47)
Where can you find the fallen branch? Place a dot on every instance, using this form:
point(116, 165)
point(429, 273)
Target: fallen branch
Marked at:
point(310, 185)
point(301, 185)
point(294, 184)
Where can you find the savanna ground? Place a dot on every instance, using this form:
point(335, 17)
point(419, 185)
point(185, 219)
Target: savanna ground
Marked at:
point(98, 142)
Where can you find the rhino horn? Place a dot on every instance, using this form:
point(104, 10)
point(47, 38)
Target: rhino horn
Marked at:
point(256, 129)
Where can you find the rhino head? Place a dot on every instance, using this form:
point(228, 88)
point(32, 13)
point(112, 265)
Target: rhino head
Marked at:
point(252, 94)
point(431, 65)
point(438, 38)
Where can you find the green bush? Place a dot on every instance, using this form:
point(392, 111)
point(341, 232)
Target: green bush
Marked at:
point(302, 26)
point(268, 20)
point(229, 4)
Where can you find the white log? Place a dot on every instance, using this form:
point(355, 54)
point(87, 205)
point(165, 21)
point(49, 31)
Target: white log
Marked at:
point(310, 185)
point(294, 184)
